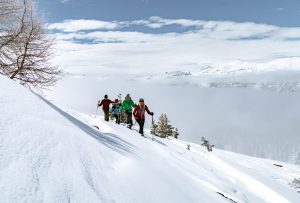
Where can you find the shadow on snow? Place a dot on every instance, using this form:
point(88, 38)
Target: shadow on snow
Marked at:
point(109, 140)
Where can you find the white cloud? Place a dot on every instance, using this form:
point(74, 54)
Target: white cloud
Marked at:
point(211, 29)
point(207, 42)
point(152, 22)
point(158, 22)
point(78, 25)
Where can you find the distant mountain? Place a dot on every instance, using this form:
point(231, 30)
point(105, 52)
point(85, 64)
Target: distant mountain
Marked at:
point(235, 75)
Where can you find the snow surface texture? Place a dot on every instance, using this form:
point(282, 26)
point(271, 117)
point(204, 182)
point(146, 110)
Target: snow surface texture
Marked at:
point(249, 121)
point(49, 155)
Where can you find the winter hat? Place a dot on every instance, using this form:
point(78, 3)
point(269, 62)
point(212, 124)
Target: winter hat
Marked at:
point(127, 96)
point(116, 101)
point(141, 100)
point(105, 96)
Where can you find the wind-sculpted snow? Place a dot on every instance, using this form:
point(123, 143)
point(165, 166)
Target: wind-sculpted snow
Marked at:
point(51, 155)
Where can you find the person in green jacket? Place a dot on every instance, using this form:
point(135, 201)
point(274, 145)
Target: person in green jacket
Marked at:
point(127, 106)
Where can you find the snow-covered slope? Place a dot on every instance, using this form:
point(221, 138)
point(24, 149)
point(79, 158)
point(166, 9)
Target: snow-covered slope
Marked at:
point(49, 155)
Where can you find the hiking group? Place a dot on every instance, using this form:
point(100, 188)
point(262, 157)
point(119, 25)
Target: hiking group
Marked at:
point(126, 106)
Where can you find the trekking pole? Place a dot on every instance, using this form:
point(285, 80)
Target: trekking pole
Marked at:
point(152, 126)
point(96, 112)
point(120, 110)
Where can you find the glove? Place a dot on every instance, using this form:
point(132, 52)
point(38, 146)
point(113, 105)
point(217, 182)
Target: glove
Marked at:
point(151, 113)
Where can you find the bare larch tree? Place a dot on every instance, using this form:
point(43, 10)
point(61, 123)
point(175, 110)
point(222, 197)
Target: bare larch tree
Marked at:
point(12, 13)
point(26, 52)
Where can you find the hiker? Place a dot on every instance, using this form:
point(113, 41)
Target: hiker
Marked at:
point(127, 106)
point(139, 115)
point(105, 103)
point(116, 110)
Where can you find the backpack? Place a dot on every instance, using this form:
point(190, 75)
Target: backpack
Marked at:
point(115, 109)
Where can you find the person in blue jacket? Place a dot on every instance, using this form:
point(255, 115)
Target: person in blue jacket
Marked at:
point(116, 110)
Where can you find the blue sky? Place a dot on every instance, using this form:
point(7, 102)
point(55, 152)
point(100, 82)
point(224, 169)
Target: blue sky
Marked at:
point(275, 12)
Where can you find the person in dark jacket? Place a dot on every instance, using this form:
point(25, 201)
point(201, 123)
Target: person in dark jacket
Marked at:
point(116, 110)
point(139, 115)
point(105, 103)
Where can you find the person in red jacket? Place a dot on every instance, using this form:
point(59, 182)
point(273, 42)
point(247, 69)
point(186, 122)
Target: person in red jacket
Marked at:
point(139, 115)
point(105, 103)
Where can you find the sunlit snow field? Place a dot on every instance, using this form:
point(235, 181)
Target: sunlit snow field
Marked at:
point(51, 154)
point(259, 121)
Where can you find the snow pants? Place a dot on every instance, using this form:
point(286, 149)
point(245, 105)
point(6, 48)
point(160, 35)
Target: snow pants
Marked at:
point(106, 115)
point(141, 123)
point(129, 118)
point(117, 117)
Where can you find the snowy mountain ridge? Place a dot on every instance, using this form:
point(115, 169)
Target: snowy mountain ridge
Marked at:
point(51, 155)
point(241, 67)
point(280, 75)
point(276, 81)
